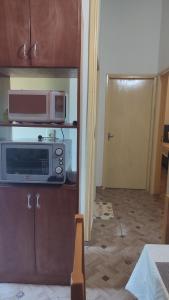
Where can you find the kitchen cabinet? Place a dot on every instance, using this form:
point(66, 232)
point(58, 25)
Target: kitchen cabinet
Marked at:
point(16, 233)
point(14, 32)
point(54, 232)
point(37, 233)
point(37, 221)
point(41, 33)
point(55, 33)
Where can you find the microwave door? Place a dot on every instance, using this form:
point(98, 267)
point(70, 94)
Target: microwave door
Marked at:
point(27, 164)
point(28, 106)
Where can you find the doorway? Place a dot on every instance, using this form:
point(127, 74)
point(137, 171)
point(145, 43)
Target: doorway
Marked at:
point(128, 132)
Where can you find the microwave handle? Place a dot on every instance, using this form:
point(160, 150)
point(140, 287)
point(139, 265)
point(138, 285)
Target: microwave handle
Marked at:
point(29, 201)
point(37, 200)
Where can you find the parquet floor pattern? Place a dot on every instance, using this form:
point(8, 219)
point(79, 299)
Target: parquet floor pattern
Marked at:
point(117, 243)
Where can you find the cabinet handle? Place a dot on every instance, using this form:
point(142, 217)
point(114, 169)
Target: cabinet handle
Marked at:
point(34, 50)
point(23, 52)
point(37, 200)
point(29, 201)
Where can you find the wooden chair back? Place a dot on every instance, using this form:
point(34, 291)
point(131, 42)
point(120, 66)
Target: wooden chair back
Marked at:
point(78, 290)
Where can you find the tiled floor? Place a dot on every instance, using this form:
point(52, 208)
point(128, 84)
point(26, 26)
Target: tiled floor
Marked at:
point(113, 251)
point(116, 243)
point(103, 210)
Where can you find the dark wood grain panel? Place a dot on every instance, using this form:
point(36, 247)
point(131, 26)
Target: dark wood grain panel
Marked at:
point(55, 33)
point(16, 233)
point(55, 233)
point(14, 32)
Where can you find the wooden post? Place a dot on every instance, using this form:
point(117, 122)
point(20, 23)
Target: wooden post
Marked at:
point(78, 290)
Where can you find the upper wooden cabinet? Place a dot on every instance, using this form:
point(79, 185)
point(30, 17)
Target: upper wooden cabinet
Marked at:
point(14, 32)
point(55, 32)
point(40, 33)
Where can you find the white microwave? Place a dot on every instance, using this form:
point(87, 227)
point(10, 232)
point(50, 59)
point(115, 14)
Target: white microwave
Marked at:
point(37, 106)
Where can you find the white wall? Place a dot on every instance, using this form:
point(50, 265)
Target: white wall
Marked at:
point(164, 39)
point(5, 132)
point(73, 117)
point(129, 44)
point(31, 83)
point(4, 87)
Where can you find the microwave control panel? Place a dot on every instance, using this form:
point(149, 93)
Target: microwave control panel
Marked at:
point(59, 152)
point(61, 161)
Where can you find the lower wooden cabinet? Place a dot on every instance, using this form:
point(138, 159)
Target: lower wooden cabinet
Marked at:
point(54, 233)
point(37, 233)
point(16, 233)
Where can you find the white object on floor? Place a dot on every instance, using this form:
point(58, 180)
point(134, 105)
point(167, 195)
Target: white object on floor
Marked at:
point(103, 210)
point(145, 281)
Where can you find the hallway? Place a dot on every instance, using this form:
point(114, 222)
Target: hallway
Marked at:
point(117, 243)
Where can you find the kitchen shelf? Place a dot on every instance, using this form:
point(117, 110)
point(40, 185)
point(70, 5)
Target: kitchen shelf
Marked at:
point(64, 186)
point(38, 125)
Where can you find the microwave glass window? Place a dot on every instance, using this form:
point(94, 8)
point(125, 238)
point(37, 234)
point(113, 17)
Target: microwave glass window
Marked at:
point(59, 104)
point(27, 161)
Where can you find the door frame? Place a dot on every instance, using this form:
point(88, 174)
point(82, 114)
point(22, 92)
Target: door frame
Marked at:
point(158, 132)
point(91, 115)
point(153, 102)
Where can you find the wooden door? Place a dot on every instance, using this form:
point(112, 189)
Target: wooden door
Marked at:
point(127, 134)
point(55, 33)
point(55, 233)
point(14, 33)
point(16, 234)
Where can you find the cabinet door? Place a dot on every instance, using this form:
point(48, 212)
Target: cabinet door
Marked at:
point(14, 32)
point(55, 33)
point(16, 235)
point(54, 223)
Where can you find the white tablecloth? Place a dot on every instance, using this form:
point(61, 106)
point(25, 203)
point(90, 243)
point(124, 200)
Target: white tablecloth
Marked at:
point(145, 282)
